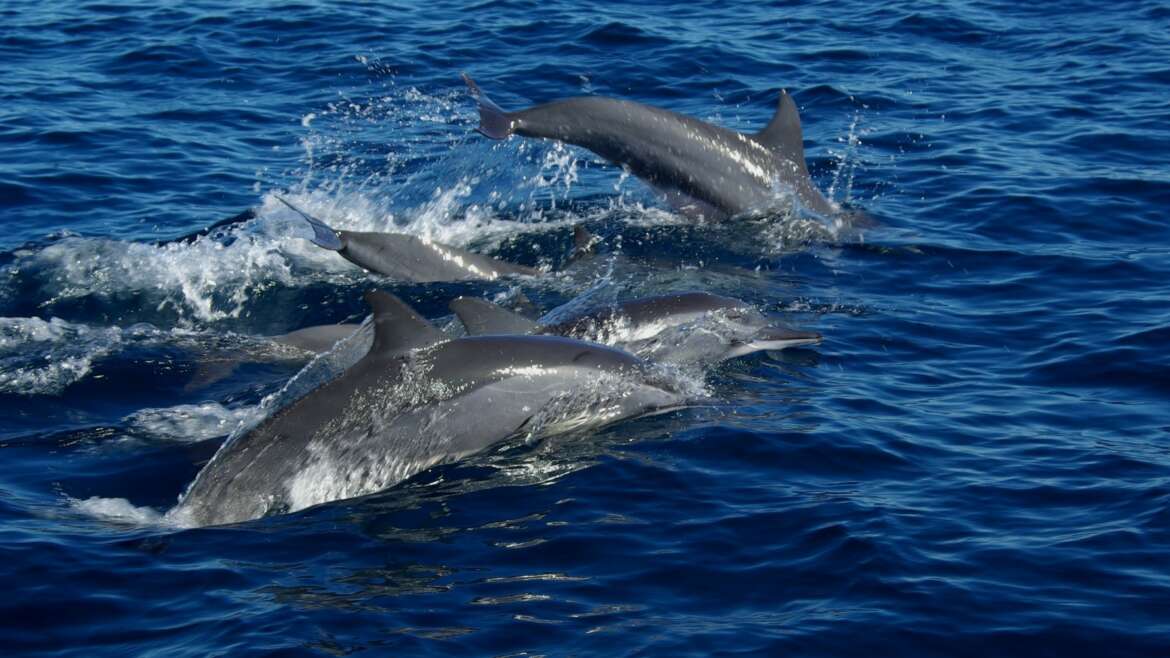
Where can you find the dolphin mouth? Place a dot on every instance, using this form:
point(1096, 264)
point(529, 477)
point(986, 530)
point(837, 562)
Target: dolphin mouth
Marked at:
point(778, 338)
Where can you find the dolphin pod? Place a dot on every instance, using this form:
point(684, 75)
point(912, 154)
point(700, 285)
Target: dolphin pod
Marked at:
point(716, 172)
point(689, 327)
point(420, 397)
point(361, 433)
point(685, 327)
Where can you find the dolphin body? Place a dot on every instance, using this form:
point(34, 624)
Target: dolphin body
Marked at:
point(416, 399)
point(317, 339)
point(723, 172)
point(689, 327)
point(406, 257)
point(308, 341)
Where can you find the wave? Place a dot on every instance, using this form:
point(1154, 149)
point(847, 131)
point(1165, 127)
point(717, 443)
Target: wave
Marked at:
point(43, 357)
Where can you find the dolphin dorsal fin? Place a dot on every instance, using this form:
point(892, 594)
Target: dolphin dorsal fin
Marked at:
point(584, 243)
point(782, 135)
point(399, 328)
point(483, 317)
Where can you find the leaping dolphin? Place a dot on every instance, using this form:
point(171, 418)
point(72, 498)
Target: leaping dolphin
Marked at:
point(416, 399)
point(406, 257)
point(689, 327)
point(724, 172)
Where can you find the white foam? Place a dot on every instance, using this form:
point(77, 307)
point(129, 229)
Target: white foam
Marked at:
point(189, 422)
point(118, 510)
point(43, 357)
point(204, 279)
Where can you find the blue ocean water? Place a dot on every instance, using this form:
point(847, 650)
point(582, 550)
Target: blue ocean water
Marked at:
point(973, 463)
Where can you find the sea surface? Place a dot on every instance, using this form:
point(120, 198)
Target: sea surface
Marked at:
point(975, 461)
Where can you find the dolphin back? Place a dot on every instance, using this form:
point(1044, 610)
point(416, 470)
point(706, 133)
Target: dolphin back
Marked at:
point(481, 317)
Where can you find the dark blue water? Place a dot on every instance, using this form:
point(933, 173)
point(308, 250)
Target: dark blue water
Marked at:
point(973, 463)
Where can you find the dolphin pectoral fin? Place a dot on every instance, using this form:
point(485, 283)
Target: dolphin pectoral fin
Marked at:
point(483, 317)
point(493, 121)
point(783, 134)
point(323, 235)
point(397, 327)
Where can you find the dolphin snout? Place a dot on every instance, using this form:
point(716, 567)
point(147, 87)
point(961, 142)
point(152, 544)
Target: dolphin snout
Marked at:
point(775, 337)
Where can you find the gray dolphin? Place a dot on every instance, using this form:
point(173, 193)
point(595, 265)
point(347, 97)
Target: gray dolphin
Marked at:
point(317, 339)
point(689, 327)
point(724, 172)
point(220, 365)
point(407, 257)
point(416, 399)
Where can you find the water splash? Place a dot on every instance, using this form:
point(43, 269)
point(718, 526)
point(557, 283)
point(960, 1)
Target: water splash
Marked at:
point(207, 279)
point(188, 423)
point(119, 511)
point(44, 357)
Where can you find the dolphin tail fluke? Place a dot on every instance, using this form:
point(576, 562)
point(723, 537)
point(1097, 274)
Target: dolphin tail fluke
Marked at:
point(783, 134)
point(323, 235)
point(482, 317)
point(493, 121)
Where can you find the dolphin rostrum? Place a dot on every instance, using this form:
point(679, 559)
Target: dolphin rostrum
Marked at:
point(689, 327)
point(724, 172)
point(407, 257)
point(416, 399)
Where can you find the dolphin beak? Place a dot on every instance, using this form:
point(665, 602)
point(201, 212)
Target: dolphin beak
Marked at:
point(772, 338)
point(777, 338)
